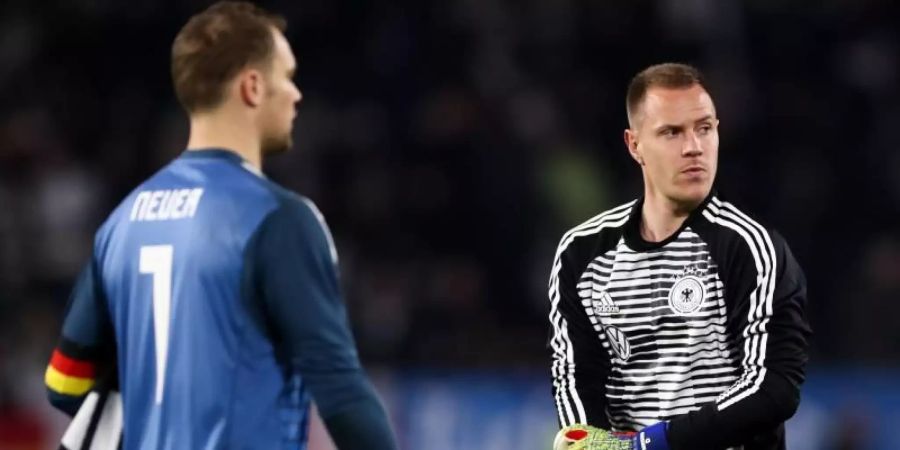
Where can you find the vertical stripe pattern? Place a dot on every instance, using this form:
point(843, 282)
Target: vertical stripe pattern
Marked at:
point(755, 333)
point(570, 408)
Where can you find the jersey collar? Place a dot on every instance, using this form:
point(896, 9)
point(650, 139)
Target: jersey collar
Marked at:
point(632, 232)
point(224, 154)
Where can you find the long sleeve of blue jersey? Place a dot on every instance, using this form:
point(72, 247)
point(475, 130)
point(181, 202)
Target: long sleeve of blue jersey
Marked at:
point(86, 349)
point(296, 278)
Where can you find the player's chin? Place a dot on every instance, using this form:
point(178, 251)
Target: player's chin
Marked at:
point(693, 191)
point(277, 145)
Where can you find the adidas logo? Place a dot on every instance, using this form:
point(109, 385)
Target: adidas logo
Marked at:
point(602, 304)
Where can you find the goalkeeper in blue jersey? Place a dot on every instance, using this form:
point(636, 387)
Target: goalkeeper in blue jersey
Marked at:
point(211, 301)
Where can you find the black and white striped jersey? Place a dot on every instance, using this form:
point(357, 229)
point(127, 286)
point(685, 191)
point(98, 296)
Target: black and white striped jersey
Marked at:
point(705, 329)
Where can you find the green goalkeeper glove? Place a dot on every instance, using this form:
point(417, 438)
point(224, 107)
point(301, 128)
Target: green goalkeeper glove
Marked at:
point(586, 437)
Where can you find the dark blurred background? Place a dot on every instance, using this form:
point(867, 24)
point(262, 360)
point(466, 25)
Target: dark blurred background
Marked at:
point(449, 145)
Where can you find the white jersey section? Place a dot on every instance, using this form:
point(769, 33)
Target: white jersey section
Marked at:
point(661, 315)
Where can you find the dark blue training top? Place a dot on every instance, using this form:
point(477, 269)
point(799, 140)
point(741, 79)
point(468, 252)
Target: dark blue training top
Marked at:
point(220, 291)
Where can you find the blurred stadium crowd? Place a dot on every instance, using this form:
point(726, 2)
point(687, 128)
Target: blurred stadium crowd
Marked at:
point(450, 144)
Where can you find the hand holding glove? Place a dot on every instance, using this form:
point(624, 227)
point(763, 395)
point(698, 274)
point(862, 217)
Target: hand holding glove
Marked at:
point(586, 437)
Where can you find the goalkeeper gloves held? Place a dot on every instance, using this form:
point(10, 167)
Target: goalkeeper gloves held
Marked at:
point(586, 437)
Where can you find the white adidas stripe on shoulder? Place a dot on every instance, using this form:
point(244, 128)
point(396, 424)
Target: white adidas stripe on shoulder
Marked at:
point(590, 225)
point(563, 366)
point(321, 218)
point(755, 332)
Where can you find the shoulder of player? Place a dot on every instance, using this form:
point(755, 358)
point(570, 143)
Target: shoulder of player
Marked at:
point(299, 212)
point(738, 230)
point(610, 221)
point(295, 208)
point(298, 216)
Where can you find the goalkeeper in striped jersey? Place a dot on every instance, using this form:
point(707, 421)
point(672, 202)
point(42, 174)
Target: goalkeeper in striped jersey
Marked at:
point(677, 320)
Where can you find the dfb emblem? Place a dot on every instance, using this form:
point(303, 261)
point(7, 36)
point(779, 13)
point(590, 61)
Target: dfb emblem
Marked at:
point(688, 293)
point(619, 342)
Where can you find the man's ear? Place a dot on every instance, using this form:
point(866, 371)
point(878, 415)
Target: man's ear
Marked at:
point(251, 87)
point(631, 142)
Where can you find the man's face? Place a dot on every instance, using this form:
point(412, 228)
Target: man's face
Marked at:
point(277, 112)
point(675, 138)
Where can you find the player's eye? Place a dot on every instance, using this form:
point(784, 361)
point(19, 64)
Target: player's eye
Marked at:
point(704, 129)
point(669, 132)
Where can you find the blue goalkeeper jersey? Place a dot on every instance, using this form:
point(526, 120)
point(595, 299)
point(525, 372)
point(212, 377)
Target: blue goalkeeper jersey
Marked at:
point(218, 292)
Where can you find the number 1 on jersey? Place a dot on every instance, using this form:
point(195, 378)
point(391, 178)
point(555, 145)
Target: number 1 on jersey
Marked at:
point(156, 260)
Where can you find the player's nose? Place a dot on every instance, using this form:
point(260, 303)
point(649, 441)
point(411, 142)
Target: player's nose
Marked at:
point(692, 145)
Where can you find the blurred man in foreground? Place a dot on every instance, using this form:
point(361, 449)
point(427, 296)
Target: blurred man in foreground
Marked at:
point(213, 292)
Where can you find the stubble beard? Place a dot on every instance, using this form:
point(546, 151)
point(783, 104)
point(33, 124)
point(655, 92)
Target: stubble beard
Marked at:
point(272, 145)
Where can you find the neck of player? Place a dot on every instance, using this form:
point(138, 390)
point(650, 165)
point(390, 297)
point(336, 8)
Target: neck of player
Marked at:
point(661, 217)
point(221, 131)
